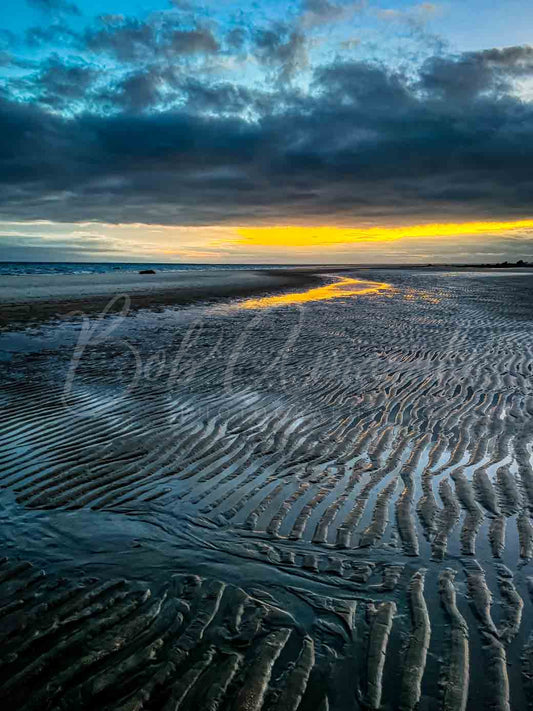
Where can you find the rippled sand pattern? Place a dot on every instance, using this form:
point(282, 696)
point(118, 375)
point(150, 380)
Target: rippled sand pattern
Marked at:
point(312, 507)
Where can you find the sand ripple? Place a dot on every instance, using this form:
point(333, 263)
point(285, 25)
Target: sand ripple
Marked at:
point(312, 507)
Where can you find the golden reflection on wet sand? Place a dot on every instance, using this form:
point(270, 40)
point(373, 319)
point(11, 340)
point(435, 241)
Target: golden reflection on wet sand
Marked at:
point(345, 286)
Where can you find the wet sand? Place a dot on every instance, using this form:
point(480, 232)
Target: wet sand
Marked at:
point(34, 298)
point(285, 504)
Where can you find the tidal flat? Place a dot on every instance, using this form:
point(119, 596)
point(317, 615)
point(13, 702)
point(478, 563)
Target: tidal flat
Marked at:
point(313, 500)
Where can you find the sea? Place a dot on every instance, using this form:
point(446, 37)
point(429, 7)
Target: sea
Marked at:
point(20, 268)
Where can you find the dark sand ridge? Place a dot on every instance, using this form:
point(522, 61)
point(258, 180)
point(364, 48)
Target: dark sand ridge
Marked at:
point(329, 508)
point(38, 297)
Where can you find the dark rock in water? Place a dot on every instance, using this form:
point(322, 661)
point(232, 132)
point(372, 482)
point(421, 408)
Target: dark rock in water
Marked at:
point(147, 271)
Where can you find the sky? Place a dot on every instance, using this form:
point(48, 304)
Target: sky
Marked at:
point(302, 131)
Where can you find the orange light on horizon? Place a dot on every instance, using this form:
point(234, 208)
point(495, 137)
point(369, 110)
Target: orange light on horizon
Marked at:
point(292, 236)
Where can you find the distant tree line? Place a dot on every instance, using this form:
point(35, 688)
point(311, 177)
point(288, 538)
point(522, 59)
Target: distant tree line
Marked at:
point(504, 265)
point(489, 265)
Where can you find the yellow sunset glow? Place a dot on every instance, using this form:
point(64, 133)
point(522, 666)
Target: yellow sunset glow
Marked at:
point(290, 236)
point(343, 287)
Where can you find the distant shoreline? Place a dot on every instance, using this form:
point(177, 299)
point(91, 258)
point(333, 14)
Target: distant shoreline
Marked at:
point(16, 268)
point(32, 299)
point(28, 299)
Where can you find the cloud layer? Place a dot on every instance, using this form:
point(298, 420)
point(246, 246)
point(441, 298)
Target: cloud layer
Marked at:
point(364, 143)
point(150, 120)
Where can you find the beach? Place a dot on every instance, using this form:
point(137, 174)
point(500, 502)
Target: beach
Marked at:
point(39, 297)
point(285, 490)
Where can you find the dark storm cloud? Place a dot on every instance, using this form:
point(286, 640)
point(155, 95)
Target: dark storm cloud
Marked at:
point(224, 98)
point(201, 41)
point(320, 11)
point(475, 73)
point(516, 58)
point(136, 91)
point(365, 143)
point(131, 40)
point(182, 4)
point(58, 33)
point(369, 86)
point(61, 83)
point(154, 86)
point(236, 38)
point(56, 6)
point(282, 49)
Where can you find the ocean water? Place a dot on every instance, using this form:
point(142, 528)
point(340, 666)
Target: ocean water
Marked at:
point(18, 268)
